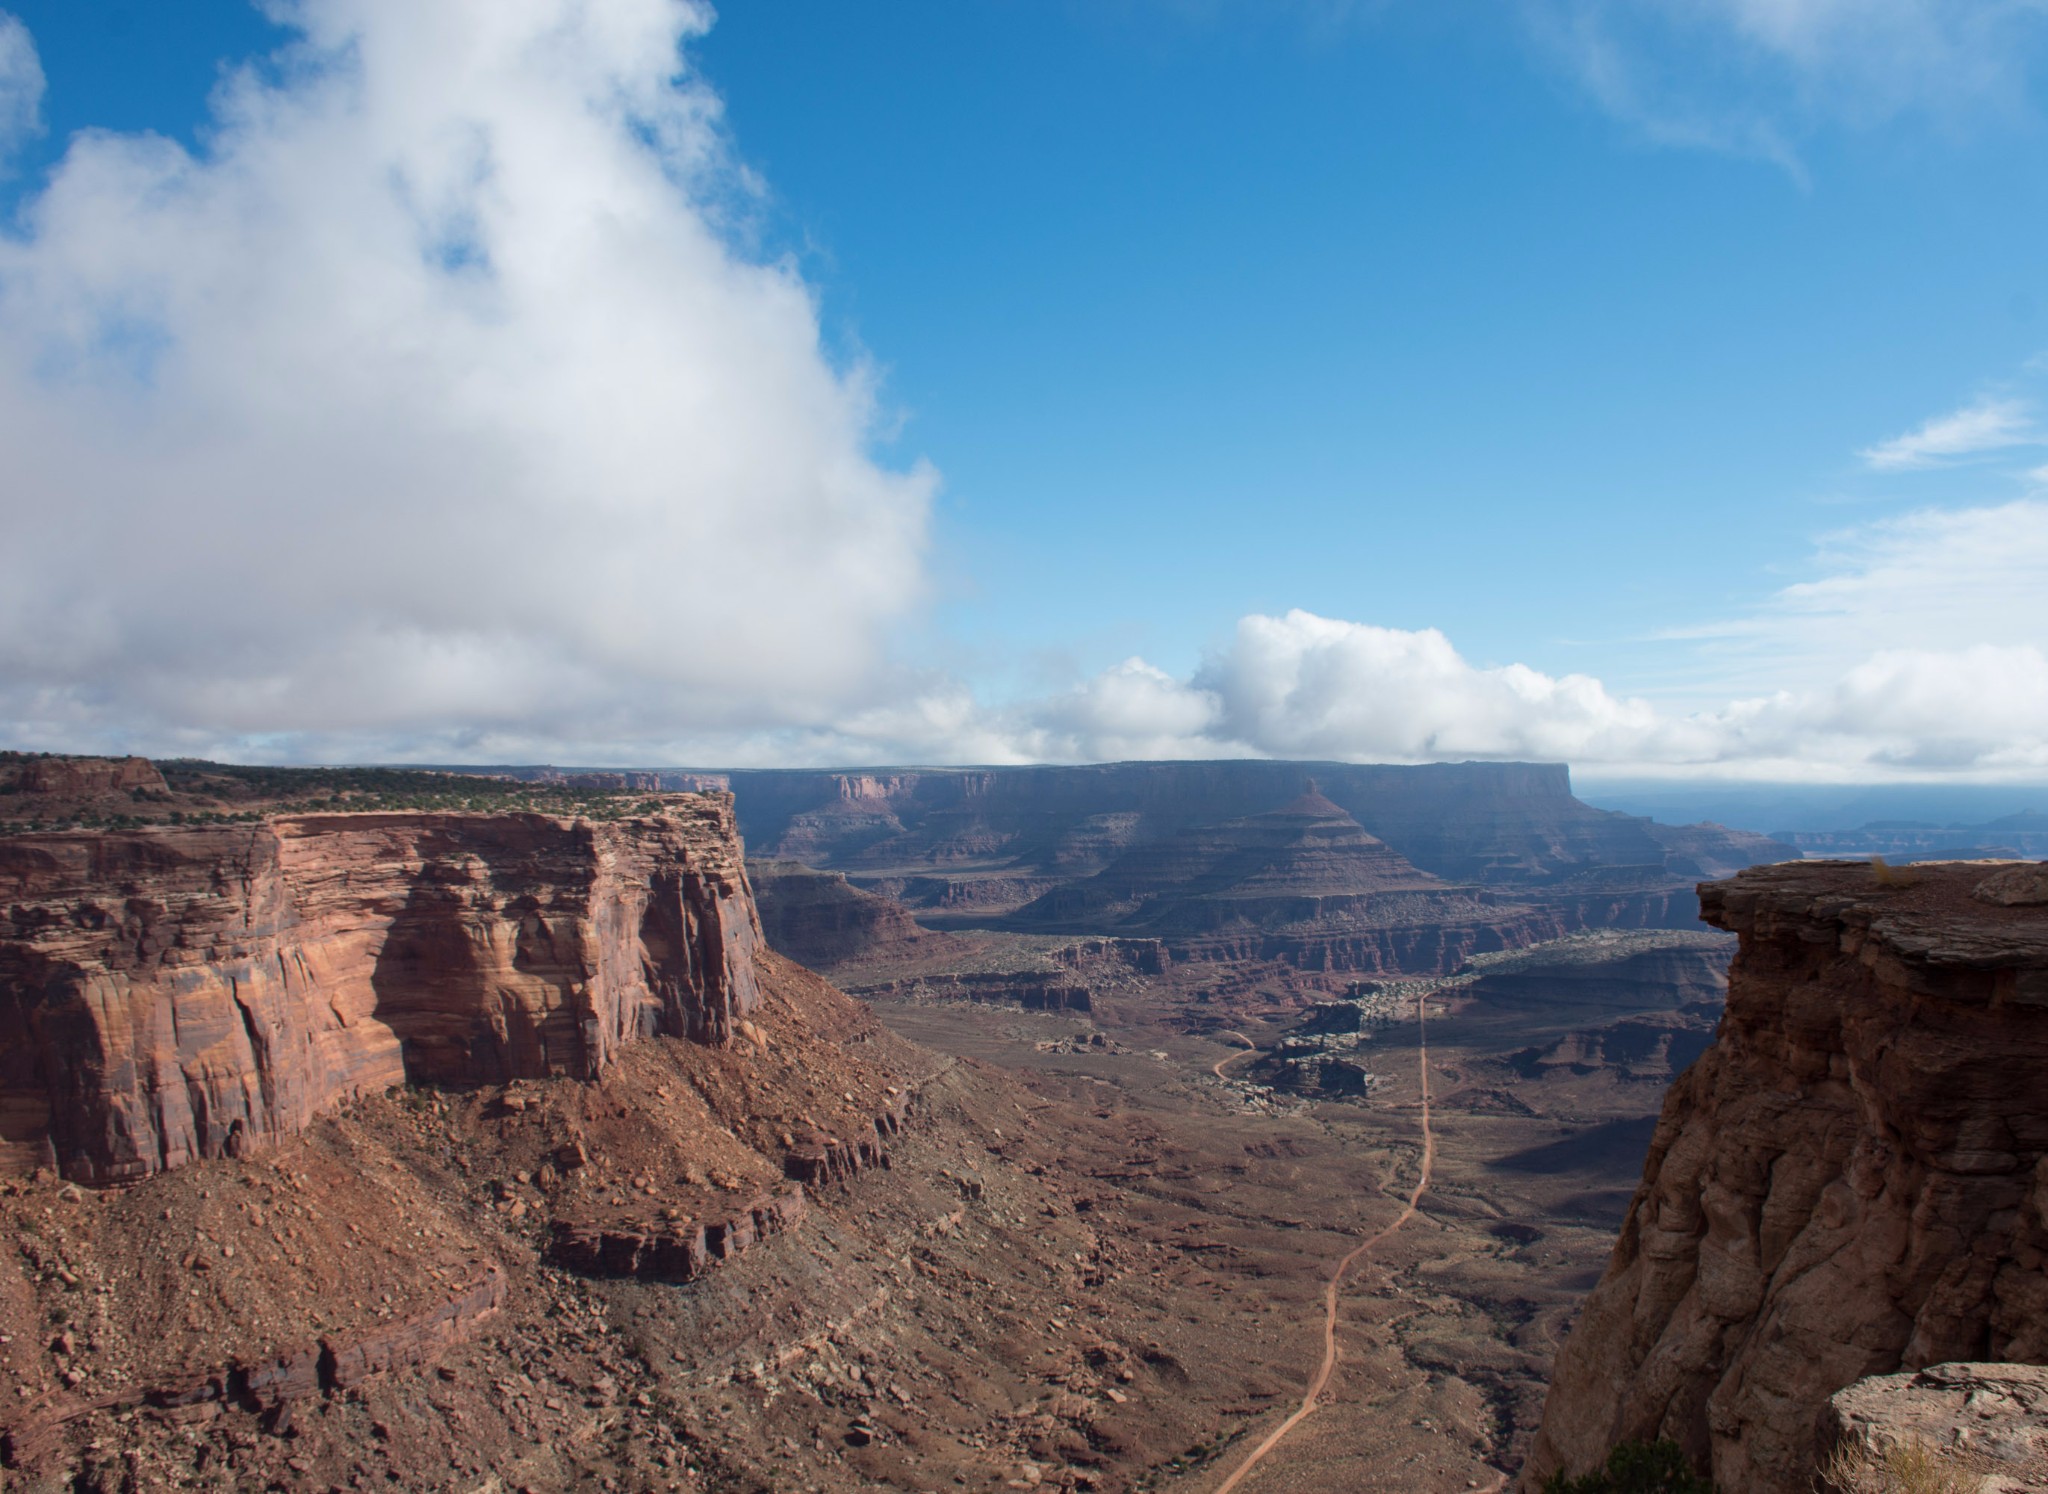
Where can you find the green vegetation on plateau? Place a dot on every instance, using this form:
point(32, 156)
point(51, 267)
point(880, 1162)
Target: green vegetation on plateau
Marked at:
point(209, 793)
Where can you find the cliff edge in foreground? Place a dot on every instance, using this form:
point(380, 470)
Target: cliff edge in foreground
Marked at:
point(1853, 1181)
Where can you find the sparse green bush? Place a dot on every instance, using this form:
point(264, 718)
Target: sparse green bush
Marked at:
point(1636, 1468)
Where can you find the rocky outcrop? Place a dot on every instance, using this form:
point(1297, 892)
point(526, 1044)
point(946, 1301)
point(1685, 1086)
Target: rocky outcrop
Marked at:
point(1031, 989)
point(820, 920)
point(80, 777)
point(673, 1249)
point(818, 1159)
point(1068, 977)
point(1985, 1425)
point(1271, 867)
point(174, 993)
point(1852, 1181)
point(2015, 887)
point(971, 896)
point(1709, 850)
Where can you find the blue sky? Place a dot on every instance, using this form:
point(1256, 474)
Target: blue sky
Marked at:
point(1198, 360)
point(1380, 318)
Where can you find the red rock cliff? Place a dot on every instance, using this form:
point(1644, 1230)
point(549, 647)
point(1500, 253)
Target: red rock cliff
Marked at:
point(175, 993)
point(1852, 1181)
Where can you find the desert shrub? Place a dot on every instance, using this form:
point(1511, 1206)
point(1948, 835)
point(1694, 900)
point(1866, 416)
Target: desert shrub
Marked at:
point(1636, 1468)
point(1900, 1468)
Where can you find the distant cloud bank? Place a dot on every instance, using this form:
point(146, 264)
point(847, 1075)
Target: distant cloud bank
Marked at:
point(1922, 651)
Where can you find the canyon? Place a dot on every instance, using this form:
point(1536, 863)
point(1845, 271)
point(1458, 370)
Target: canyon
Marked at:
point(466, 1132)
point(1226, 880)
point(979, 840)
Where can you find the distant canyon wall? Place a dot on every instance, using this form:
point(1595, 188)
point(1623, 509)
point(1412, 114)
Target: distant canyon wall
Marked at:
point(1852, 1181)
point(1465, 822)
point(183, 992)
point(1332, 868)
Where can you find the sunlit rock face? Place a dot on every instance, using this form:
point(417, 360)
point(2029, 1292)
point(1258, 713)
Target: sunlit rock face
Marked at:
point(182, 992)
point(1852, 1181)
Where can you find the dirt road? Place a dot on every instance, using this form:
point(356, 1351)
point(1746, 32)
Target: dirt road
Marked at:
point(1250, 1047)
point(1358, 1253)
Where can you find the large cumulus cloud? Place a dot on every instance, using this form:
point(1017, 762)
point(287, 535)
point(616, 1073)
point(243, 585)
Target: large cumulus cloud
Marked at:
point(432, 404)
point(1305, 686)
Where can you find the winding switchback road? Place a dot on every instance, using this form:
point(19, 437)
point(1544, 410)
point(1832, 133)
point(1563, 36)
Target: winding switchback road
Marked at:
point(1358, 1253)
point(1216, 1068)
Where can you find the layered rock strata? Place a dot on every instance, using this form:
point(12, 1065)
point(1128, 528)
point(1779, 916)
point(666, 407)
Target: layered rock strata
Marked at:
point(673, 1250)
point(1326, 868)
point(1488, 823)
point(1627, 972)
point(1304, 884)
point(1852, 1181)
point(174, 993)
point(818, 1159)
point(1068, 977)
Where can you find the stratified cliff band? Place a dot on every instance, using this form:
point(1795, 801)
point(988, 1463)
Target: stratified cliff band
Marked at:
point(173, 993)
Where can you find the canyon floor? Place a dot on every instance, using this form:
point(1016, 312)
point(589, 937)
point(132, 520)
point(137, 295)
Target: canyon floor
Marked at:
point(1080, 1248)
point(1091, 1264)
point(1246, 1200)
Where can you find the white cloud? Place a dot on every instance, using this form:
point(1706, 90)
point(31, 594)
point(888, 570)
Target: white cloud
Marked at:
point(1988, 425)
point(1750, 76)
point(434, 404)
point(1130, 711)
point(1303, 686)
point(1944, 580)
point(21, 86)
point(1921, 650)
point(1309, 686)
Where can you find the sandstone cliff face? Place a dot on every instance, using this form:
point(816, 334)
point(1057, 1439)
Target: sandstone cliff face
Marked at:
point(176, 993)
point(1853, 1181)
